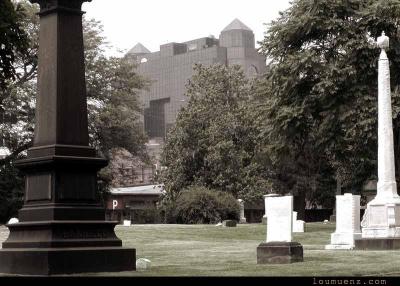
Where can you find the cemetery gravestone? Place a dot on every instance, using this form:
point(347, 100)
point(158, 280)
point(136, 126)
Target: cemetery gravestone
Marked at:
point(241, 209)
point(143, 264)
point(13, 220)
point(347, 222)
point(264, 218)
point(279, 247)
point(298, 225)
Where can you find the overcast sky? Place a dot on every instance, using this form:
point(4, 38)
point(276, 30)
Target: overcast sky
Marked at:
point(156, 22)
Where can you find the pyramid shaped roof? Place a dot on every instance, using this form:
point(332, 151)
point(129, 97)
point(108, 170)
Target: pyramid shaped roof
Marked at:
point(139, 49)
point(236, 25)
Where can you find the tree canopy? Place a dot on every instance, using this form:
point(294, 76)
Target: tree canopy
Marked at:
point(13, 40)
point(213, 141)
point(305, 126)
point(319, 98)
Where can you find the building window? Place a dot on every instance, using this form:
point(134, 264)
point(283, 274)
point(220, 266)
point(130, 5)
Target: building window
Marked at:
point(154, 118)
point(192, 47)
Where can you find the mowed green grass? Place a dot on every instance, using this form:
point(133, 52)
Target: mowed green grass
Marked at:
point(207, 250)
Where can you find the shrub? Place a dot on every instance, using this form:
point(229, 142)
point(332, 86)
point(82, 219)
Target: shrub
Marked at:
point(198, 205)
point(141, 216)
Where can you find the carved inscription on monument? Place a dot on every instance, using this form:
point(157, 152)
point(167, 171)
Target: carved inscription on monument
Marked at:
point(38, 187)
point(80, 233)
point(378, 216)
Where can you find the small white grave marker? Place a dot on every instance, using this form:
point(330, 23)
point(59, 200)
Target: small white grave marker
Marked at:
point(241, 207)
point(143, 264)
point(13, 220)
point(298, 225)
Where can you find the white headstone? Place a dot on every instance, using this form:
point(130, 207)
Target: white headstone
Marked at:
point(280, 216)
point(13, 220)
point(382, 216)
point(265, 203)
point(241, 207)
point(294, 216)
point(347, 222)
point(143, 264)
point(298, 225)
point(127, 222)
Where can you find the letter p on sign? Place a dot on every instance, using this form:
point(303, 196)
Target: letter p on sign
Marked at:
point(115, 204)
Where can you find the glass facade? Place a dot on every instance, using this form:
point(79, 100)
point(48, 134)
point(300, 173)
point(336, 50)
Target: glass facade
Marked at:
point(170, 69)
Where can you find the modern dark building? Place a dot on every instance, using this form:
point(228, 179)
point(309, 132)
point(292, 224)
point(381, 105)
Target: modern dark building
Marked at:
point(172, 66)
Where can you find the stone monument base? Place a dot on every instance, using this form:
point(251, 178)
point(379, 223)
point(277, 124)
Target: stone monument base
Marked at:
point(279, 252)
point(382, 219)
point(377, 244)
point(64, 247)
point(242, 220)
point(49, 261)
point(381, 232)
point(343, 241)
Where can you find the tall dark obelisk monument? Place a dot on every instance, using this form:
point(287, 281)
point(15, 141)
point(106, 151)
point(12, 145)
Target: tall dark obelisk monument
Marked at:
point(62, 226)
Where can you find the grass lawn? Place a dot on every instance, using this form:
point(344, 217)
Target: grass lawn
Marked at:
point(207, 250)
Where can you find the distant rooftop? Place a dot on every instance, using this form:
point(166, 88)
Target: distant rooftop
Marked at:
point(139, 190)
point(236, 25)
point(139, 49)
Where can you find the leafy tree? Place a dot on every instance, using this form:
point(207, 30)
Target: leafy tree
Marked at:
point(212, 143)
point(11, 191)
point(319, 99)
point(13, 40)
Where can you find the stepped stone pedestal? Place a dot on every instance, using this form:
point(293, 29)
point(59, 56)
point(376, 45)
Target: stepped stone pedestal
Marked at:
point(279, 253)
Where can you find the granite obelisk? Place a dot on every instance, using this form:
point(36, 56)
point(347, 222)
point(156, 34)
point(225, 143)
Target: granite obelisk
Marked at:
point(382, 216)
point(62, 226)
